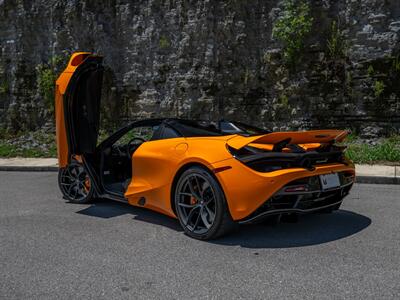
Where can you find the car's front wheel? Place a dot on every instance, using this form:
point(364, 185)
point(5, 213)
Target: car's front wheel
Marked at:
point(200, 205)
point(75, 183)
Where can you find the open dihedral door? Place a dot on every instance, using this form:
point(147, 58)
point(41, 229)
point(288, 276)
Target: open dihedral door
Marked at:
point(78, 93)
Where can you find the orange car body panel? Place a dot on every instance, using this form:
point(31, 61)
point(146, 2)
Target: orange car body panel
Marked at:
point(247, 189)
point(155, 164)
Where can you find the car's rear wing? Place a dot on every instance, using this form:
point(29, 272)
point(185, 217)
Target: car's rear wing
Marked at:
point(290, 137)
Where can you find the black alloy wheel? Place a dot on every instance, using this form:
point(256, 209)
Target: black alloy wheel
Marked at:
point(75, 183)
point(200, 205)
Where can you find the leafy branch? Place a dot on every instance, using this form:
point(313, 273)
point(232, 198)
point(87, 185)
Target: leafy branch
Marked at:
point(292, 28)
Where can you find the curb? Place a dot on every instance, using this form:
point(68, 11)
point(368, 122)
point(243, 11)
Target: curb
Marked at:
point(377, 180)
point(359, 179)
point(29, 168)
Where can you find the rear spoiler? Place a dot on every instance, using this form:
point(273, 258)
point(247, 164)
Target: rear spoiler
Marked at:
point(290, 137)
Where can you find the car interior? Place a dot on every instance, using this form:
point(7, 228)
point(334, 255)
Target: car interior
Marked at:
point(116, 152)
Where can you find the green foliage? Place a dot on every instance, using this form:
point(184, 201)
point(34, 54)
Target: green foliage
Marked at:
point(246, 76)
point(30, 144)
point(292, 28)
point(7, 150)
point(351, 138)
point(336, 43)
point(46, 76)
point(370, 71)
point(164, 42)
point(46, 81)
point(4, 88)
point(379, 88)
point(284, 101)
point(3, 133)
point(396, 64)
point(387, 150)
point(267, 58)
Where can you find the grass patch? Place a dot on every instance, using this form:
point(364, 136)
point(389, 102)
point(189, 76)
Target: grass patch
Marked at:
point(32, 144)
point(15, 151)
point(384, 152)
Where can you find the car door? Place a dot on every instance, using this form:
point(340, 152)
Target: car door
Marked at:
point(82, 106)
point(78, 95)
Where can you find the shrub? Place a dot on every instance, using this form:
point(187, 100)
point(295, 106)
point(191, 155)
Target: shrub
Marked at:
point(46, 76)
point(292, 28)
point(336, 43)
point(379, 88)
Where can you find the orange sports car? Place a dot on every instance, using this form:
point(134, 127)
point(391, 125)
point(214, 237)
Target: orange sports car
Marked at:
point(208, 176)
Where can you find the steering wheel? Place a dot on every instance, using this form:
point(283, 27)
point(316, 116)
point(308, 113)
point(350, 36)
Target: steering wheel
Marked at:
point(133, 144)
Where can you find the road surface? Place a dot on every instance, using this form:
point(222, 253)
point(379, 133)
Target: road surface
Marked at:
point(51, 249)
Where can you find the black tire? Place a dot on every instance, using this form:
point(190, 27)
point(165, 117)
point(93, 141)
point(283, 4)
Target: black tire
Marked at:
point(75, 183)
point(201, 206)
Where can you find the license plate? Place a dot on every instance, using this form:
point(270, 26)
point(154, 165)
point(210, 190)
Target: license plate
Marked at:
point(329, 181)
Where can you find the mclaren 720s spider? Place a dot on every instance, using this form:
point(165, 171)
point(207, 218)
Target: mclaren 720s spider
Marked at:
point(208, 176)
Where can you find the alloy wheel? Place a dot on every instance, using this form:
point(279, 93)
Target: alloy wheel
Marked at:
point(75, 183)
point(196, 203)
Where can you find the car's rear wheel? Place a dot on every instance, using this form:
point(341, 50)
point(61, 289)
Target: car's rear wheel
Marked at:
point(75, 183)
point(200, 205)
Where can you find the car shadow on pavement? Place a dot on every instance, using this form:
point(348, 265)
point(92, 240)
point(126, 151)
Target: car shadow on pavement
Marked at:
point(109, 209)
point(309, 230)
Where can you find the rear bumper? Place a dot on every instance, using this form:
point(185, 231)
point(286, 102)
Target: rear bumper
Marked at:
point(300, 202)
point(247, 190)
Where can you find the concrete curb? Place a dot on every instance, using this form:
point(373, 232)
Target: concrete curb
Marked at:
point(28, 168)
point(377, 174)
point(377, 180)
point(29, 164)
point(371, 174)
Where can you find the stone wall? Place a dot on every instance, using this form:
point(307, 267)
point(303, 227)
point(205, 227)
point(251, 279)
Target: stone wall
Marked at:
point(209, 60)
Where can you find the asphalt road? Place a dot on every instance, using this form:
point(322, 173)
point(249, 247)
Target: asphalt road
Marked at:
point(50, 249)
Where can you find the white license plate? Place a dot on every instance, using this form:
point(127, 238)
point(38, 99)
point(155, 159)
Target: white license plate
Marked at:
point(329, 181)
